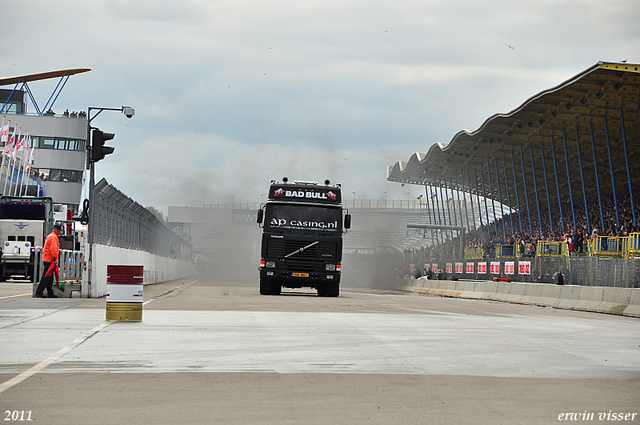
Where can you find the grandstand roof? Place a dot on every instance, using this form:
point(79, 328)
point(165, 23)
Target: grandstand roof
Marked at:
point(589, 103)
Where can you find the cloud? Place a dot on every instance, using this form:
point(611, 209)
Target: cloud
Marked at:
point(231, 94)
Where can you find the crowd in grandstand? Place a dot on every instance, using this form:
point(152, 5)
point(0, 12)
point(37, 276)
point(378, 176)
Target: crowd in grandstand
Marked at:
point(576, 236)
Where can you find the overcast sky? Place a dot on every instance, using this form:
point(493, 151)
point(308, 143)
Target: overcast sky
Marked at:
point(230, 94)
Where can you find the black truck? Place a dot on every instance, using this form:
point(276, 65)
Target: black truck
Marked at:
point(302, 226)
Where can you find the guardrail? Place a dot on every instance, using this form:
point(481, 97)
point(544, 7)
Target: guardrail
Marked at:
point(551, 249)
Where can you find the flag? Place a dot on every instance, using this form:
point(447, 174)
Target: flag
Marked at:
point(29, 155)
point(4, 132)
point(19, 143)
point(7, 149)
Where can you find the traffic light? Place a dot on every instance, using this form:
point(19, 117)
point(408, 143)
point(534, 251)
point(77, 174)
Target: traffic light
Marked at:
point(98, 149)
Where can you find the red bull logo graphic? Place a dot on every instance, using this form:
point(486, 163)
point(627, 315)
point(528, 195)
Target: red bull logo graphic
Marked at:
point(331, 195)
point(278, 192)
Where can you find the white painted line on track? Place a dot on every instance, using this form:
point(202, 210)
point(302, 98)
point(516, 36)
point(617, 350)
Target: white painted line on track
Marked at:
point(14, 296)
point(55, 357)
point(35, 369)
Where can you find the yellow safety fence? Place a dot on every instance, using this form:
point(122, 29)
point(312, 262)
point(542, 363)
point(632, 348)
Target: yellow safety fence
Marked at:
point(473, 253)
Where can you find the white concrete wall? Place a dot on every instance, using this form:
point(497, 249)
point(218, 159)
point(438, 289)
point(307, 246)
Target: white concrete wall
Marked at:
point(156, 269)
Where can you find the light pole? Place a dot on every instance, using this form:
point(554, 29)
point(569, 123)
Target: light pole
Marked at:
point(128, 112)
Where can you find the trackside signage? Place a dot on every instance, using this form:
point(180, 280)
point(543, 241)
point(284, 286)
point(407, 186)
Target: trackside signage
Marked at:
point(293, 193)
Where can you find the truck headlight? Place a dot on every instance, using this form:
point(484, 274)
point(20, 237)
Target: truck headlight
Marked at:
point(271, 264)
point(330, 267)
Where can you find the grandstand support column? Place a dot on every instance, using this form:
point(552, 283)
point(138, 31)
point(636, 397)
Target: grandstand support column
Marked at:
point(566, 161)
point(493, 202)
point(444, 212)
point(546, 186)
point(584, 190)
point(555, 170)
point(504, 226)
point(526, 194)
point(455, 214)
point(595, 166)
point(466, 210)
point(626, 159)
point(435, 191)
point(515, 185)
point(475, 177)
point(433, 211)
point(486, 206)
point(506, 183)
point(473, 214)
point(448, 188)
point(613, 180)
point(535, 189)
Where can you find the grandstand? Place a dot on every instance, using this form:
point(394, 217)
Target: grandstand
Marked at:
point(564, 162)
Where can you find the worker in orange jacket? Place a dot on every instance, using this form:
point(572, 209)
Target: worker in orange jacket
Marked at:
point(50, 255)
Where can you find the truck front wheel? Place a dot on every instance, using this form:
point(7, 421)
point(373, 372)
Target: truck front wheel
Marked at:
point(333, 289)
point(265, 287)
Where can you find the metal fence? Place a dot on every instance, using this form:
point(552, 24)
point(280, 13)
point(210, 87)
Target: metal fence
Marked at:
point(120, 221)
point(584, 271)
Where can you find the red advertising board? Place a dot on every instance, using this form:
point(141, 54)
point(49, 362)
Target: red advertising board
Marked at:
point(482, 268)
point(509, 267)
point(524, 267)
point(494, 267)
point(470, 268)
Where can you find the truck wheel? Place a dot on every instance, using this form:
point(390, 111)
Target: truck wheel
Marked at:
point(265, 287)
point(333, 289)
point(322, 290)
point(276, 288)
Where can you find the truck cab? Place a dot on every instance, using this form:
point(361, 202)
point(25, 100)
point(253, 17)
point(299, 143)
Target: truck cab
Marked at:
point(303, 224)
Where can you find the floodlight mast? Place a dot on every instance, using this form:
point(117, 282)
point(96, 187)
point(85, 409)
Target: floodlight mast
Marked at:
point(90, 163)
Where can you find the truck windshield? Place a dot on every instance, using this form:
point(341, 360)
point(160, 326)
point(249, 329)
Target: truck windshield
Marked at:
point(303, 219)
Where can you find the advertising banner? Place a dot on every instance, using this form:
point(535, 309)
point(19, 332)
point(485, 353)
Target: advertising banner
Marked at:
point(524, 267)
point(470, 267)
point(459, 267)
point(482, 268)
point(509, 267)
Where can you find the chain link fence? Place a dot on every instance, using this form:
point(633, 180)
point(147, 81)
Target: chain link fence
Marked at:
point(121, 222)
point(578, 270)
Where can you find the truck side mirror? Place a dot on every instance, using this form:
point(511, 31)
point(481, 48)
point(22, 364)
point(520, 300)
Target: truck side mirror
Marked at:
point(347, 221)
point(260, 216)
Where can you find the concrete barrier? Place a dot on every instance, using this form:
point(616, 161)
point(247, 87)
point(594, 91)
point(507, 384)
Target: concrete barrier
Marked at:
point(625, 301)
point(550, 296)
point(590, 298)
point(503, 290)
point(490, 290)
point(569, 296)
point(468, 288)
point(448, 289)
point(517, 292)
point(634, 304)
point(533, 292)
point(479, 290)
point(615, 300)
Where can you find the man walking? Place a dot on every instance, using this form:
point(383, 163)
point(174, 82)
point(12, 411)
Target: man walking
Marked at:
point(50, 254)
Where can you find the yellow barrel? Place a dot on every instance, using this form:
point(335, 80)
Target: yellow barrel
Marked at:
point(126, 312)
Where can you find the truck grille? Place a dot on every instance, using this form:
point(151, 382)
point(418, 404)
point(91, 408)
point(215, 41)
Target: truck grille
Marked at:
point(278, 248)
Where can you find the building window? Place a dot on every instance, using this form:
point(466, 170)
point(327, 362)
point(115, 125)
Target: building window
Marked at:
point(55, 175)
